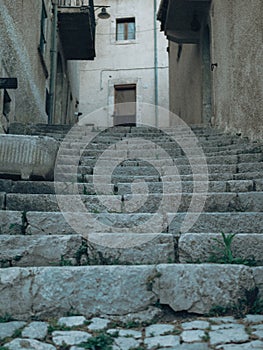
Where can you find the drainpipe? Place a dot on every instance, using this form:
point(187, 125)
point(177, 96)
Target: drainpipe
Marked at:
point(53, 63)
point(156, 94)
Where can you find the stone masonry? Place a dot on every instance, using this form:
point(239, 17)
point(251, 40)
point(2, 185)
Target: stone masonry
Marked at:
point(109, 244)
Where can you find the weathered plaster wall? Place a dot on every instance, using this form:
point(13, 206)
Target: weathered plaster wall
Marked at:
point(238, 80)
point(19, 57)
point(236, 35)
point(127, 62)
point(20, 36)
point(186, 82)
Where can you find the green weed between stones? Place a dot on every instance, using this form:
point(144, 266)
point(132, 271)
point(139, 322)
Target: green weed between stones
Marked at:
point(6, 318)
point(101, 341)
point(223, 253)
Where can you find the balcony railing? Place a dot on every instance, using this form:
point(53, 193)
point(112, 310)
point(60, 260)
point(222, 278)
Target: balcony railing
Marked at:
point(73, 3)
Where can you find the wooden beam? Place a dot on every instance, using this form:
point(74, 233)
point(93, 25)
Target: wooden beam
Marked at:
point(8, 83)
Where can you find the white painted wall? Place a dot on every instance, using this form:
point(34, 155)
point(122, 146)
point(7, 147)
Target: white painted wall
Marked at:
point(128, 62)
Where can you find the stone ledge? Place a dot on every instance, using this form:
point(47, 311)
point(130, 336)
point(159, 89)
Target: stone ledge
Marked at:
point(119, 290)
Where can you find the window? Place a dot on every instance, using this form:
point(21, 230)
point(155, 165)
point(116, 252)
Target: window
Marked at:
point(43, 41)
point(125, 29)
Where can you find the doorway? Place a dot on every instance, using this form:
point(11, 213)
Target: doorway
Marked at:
point(125, 105)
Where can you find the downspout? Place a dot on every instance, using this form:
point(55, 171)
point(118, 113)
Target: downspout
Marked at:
point(53, 64)
point(156, 92)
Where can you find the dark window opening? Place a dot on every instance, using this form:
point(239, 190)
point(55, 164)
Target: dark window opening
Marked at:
point(7, 104)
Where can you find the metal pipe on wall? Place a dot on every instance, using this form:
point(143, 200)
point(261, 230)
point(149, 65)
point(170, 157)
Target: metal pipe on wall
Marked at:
point(53, 65)
point(156, 83)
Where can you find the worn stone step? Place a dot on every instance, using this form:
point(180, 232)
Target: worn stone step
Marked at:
point(229, 159)
point(214, 202)
point(198, 247)
point(171, 147)
point(162, 171)
point(50, 223)
point(188, 186)
point(98, 249)
point(167, 178)
point(41, 250)
point(47, 292)
point(233, 222)
point(42, 187)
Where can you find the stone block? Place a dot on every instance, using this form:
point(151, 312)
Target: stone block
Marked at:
point(90, 290)
point(258, 276)
point(22, 344)
point(198, 247)
point(38, 250)
point(28, 156)
point(216, 222)
point(55, 223)
point(11, 222)
point(118, 248)
point(197, 288)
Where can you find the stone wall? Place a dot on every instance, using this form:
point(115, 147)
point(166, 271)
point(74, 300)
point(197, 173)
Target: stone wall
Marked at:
point(235, 85)
point(238, 79)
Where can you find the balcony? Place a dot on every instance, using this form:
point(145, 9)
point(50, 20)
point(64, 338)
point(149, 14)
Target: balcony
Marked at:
point(181, 20)
point(76, 24)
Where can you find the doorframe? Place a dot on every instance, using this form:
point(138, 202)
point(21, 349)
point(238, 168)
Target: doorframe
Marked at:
point(111, 97)
point(133, 117)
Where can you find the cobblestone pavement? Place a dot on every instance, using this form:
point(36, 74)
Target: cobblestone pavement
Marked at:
point(188, 333)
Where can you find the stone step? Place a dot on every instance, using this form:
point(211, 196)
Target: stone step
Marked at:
point(214, 202)
point(161, 171)
point(20, 250)
point(50, 223)
point(167, 178)
point(198, 247)
point(47, 187)
point(74, 250)
point(168, 168)
point(233, 222)
point(102, 142)
point(171, 147)
point(46, 292)
point(229, 159)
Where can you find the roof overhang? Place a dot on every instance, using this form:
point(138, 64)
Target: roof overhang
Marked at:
point(181, 20)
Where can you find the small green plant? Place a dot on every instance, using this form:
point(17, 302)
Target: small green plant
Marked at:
point(151, 280)
point(54, 326)
point(223, 253)
point(206, 337)
point(83, 249)
point(3, 348)
point(101, 341)
point(6, 318)
point(65, 262)
point(17, 333)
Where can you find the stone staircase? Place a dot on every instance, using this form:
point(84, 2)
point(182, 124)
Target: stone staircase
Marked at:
point(113, 258)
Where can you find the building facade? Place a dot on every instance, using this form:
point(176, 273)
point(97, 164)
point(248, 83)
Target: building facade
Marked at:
point(216, 54)
point(34, 49)
point(131, 66)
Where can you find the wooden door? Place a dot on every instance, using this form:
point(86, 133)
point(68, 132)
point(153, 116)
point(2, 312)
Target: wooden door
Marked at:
point(125, 105)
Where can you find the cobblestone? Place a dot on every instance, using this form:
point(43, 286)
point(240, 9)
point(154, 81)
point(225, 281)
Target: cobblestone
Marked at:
point(174, 332)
